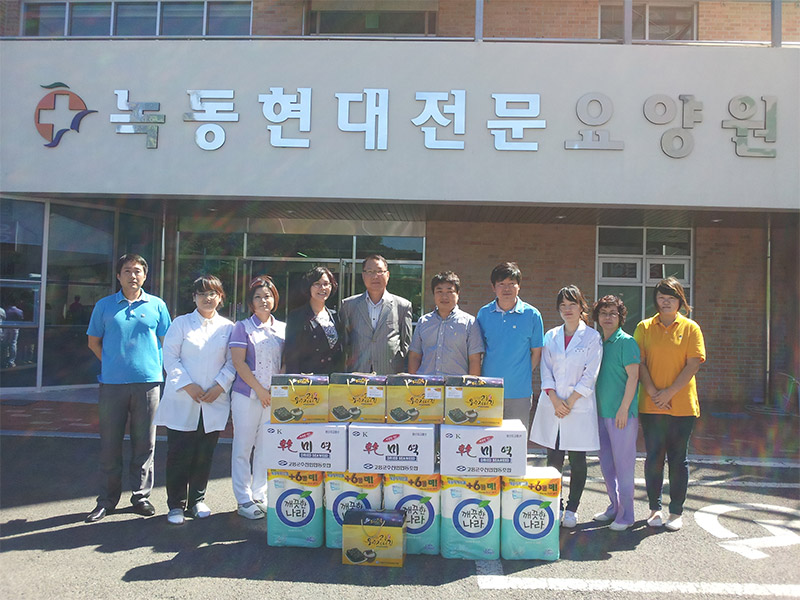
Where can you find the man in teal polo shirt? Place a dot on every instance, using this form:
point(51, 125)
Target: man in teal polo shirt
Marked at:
point(513, 335)
point(125, 333)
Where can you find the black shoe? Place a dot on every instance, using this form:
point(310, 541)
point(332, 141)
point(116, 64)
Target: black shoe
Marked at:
point(144, 508)
point(98, 513)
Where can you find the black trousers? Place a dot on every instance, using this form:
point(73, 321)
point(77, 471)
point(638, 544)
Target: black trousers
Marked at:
point(578, 472)
point(189, 455)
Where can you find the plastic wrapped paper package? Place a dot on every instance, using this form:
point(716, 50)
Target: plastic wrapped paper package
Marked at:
point(295, 509)
point(419, 497)
point(470, 517)
point(346, 491)
point(529, 526)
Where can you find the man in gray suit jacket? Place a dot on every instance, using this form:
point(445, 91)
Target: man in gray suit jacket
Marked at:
point(376, 324)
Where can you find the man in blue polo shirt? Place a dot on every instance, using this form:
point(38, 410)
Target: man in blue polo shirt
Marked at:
point(125, 333)
point(513, 335)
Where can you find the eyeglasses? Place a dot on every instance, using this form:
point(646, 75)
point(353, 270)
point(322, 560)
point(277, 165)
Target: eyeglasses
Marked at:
point(320, 285)
point(603, 313)
point(371, 273)
point(208, 295)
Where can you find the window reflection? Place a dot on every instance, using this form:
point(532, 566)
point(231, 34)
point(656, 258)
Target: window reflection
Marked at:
point(21, 234)
point(90, 19)
point(80, 272)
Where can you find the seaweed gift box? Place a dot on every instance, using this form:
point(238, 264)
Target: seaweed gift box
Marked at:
point(299, 399)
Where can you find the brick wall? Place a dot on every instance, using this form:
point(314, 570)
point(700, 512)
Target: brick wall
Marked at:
point(277, 17)
point(745, 21)
point(729, 299)
point(9, 17)
point(728, 294)
point(785, 318)
point(456, 18)
point(550, 257)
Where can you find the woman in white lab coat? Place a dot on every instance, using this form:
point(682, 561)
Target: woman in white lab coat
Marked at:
point(566, 414)
point(195, 404)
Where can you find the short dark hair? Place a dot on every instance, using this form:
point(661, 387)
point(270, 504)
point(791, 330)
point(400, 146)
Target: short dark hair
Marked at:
point(377, 257)
point(446, 277)
point(134, 258)
point(208, 283)
point(262, 281)
point(610, 301)
point(671, 287)
point(315, 275)
point(572, 293)
point(506, 270)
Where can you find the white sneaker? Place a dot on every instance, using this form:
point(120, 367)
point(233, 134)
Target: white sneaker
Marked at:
point(262, 504)
point(617, 526)
point(655, 519)
point(200, 511)
point(250, 510)
point(674, 522)
point(604, 517)
point(570, 519)
point(175, 516)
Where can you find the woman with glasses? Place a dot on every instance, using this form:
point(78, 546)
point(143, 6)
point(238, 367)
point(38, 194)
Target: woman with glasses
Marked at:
point(195, 405)
point(566, 414)
point(256, 348)
point(617, 411)
point(313, 331)
point(672, 349)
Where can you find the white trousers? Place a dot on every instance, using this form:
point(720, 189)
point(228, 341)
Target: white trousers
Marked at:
point(249, 437)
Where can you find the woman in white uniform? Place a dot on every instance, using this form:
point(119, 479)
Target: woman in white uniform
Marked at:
point(566, 414)
point(256, 347)
point(195, 404)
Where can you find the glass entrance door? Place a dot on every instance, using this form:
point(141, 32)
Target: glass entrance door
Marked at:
point(288, 277)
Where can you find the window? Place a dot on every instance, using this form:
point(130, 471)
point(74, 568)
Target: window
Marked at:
point(140, 19)
point(136, 18)
point(632, 260)
point(44, 19)
point(90, 19)
point(357, 22)
point(651, 22)
point(182, 18)
point(228, 18)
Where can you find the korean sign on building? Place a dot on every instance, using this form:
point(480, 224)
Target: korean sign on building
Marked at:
point(415, 121)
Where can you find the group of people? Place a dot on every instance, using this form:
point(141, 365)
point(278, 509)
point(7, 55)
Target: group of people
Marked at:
point(595, 387)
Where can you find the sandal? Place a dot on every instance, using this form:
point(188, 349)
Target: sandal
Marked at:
point(250, 510)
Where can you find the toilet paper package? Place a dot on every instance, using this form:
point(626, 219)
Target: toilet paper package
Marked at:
point(357, 397)
point(299, 399)
point(530, 515)
point(419, 497)
point(345, 491)
point(470, 517)
point(414, 399)
point(294, 508)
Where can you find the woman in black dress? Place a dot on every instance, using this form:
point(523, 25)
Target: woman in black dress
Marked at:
point(313, 332)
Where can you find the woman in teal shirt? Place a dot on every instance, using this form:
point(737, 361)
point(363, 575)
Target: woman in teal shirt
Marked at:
point(617, 411)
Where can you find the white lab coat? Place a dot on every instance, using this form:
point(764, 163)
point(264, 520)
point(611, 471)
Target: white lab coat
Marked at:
point(196, 351)
point(565, 371)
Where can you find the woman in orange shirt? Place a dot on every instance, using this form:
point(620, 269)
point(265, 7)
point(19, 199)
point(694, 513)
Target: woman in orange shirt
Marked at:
point(672, 350)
